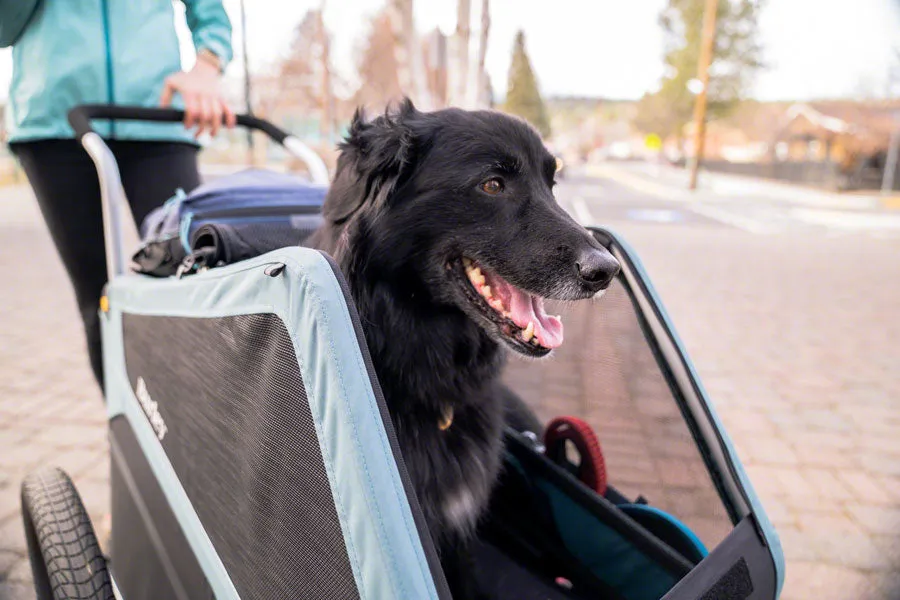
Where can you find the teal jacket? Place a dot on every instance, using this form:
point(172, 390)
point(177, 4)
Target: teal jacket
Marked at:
point(104, 52)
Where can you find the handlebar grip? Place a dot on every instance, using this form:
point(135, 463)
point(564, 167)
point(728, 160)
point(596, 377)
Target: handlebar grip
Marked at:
point(80, 118)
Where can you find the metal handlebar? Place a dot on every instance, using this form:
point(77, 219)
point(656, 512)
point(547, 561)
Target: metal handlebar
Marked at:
point(111, 191)
point(80, 118)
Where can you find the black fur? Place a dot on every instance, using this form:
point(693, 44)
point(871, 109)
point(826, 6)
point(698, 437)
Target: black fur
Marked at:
point(405, 206)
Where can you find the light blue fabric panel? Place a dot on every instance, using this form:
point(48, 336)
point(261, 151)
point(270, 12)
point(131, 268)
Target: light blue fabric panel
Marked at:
point(381, 537)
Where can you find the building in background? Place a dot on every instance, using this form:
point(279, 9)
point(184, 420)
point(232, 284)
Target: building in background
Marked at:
point(837, 145)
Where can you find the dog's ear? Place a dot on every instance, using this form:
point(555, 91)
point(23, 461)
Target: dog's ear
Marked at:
point(376, 158)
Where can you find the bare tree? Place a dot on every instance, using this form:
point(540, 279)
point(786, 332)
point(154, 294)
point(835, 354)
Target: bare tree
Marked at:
point(480, 95)
point(458, 65)
point(297, 74)
point(410, 66)
point(378, 68)
point(327, 122)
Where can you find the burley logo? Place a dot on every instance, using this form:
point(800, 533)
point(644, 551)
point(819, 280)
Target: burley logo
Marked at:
point(151, 409)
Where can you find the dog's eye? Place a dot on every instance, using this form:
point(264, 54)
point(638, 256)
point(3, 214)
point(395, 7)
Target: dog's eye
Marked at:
point(492, 186)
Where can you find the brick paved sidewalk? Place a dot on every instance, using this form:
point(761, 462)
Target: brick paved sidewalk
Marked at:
point(796, 340)
point(51, 411)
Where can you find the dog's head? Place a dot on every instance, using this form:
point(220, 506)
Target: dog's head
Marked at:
point(456, 209)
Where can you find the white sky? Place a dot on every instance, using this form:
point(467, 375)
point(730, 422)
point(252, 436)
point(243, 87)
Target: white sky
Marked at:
point(610, 48)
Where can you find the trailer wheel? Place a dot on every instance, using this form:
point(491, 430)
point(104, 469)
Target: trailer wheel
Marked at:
point(65, 557)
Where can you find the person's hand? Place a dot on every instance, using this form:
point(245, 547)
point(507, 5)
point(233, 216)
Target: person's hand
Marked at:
point(203, 102)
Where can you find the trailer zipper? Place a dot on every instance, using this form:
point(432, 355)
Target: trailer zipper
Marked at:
point(259, 211)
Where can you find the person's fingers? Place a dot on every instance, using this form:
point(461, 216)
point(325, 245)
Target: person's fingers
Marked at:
point(165, 98)
point(204, 120)
point(215, 107)
point(190, 110)
point(230, 117)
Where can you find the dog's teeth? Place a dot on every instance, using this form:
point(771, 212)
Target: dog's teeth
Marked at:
point(467, 262)
point(496, 304)
point(476, 277)
point(486, 292)
point(528, 333)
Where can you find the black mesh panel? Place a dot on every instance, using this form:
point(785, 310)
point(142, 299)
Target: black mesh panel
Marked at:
point(734, 585)
point(241, 438)
point(264, 235)
point(607, 374)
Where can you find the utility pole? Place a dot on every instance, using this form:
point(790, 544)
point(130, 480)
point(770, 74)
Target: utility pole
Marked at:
point(707, 44)
point(890, 161)
point(251, 155)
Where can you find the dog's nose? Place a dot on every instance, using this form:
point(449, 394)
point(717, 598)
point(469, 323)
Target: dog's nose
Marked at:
point(596, 268)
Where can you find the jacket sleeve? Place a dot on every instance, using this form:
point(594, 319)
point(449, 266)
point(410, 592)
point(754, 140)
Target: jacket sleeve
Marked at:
point(210, 27)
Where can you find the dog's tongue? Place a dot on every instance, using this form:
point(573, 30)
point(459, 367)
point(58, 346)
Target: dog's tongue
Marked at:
point(525, 308)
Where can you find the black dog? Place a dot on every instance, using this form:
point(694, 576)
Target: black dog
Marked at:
point(446, 228)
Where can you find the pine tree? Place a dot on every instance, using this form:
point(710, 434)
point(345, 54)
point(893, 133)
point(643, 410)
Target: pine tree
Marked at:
point(523, 98)
point(736, 59)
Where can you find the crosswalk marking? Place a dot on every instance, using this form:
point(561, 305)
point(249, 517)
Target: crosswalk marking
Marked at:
point(740, 221)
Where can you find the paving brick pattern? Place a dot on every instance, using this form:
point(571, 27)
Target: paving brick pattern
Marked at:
point(606, 374)
point(795, 338)
point(51, 412)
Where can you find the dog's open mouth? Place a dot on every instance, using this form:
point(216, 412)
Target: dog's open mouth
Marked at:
point(518, 315)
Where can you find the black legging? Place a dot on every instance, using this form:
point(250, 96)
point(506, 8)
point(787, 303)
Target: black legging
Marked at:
point(68, 191)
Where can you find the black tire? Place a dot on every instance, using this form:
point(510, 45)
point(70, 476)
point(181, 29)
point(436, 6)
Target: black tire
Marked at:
point(65, 557)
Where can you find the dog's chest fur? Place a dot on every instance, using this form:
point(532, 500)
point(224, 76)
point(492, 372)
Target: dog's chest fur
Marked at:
point(430, 365)
point(452, 470)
